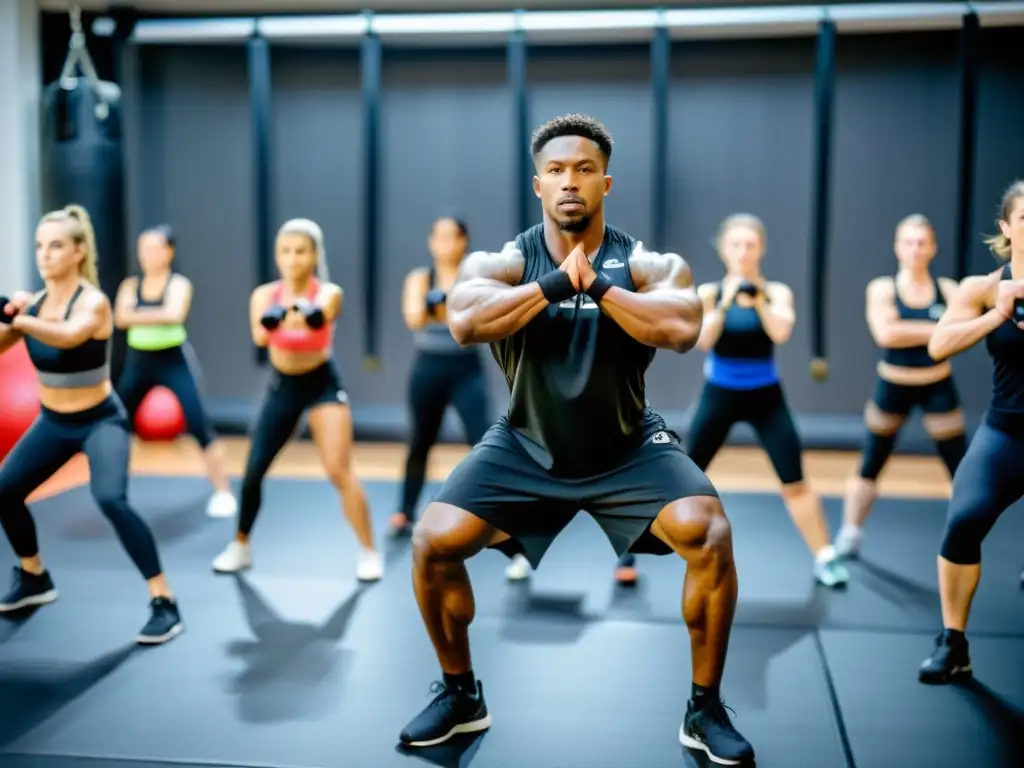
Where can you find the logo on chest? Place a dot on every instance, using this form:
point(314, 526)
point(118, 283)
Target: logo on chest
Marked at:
point(935, 311)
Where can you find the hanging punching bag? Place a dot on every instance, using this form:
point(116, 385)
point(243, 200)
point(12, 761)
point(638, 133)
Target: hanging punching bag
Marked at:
point(82, 163)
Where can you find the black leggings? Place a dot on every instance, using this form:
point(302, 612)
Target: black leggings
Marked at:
point(988, 481)
point(287, 398)
point(437, 380)
point(175, 369)
point(52, 440)
point(939, 397)
point(765, 409)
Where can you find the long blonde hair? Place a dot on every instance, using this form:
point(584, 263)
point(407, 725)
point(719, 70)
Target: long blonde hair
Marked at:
point(79, 226)
point(1000, 244)
point(312, 230)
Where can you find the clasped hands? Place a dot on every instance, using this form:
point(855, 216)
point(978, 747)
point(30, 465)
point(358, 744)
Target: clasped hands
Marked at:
point(734, 286)
point(579, 269)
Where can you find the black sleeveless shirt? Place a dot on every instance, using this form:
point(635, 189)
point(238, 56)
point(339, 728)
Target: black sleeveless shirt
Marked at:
point(915, 357)
point(1006, 346)
point(743, 334)
point(576, 378)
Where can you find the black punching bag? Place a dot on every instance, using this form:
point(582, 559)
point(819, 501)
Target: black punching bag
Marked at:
point(82, 163)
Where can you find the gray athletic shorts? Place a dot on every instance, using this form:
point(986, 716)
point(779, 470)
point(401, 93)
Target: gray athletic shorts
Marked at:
point(501, 484)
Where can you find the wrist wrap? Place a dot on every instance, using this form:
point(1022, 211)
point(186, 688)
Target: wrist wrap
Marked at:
point(556, 287)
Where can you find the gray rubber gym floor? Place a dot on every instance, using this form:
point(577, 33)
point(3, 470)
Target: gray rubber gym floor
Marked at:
point(293, 666)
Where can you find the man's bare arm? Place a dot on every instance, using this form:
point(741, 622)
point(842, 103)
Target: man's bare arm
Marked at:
point(665, 312)
point(486, 303)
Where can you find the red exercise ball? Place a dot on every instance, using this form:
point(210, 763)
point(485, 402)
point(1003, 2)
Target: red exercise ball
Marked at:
point(19, 396)
point(160, 416)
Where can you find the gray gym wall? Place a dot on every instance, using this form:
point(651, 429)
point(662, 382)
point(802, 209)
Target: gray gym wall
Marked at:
point(741, 123)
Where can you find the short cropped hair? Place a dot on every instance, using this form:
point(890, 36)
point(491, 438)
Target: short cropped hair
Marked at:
point(572, 125)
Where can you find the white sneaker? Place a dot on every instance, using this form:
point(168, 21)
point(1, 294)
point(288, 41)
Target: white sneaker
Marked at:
point(831, 573)
point(222, 504)
point(519, 569)
point(848, 542)
point(235, 557)
point(370, 566)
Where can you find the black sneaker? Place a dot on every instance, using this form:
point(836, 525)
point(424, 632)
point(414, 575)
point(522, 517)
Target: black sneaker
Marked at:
point(453, 711)
point(950, 661)
point(28, 589)
point(709, 729)
point(164, 624)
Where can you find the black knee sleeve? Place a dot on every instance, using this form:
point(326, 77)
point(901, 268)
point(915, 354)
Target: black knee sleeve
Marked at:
point(951, 451)
point(877, 449)
point(136, 537)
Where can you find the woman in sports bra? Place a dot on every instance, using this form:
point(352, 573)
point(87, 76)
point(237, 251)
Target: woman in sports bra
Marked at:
point(293, 318)
point(989, 479)
point(745, 318)
point(902, 313)
point(153, 309)
point(67, 329)
point(442, 373)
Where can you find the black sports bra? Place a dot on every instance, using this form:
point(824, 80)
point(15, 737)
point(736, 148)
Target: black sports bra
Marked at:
point(83, 366)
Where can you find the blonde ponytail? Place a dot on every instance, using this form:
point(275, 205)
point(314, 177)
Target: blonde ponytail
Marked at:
point(1000, 244)
point(312, 230)
point(81, 233)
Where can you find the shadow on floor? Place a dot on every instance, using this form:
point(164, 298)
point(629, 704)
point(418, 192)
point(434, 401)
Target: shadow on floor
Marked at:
point(33, 693)
point(290, 666)
point(457, 753)
point(1005, 721)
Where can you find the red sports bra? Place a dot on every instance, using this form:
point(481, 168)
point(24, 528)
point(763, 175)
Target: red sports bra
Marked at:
point(303, 339)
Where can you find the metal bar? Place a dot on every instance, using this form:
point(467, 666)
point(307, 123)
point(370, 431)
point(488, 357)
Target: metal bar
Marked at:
point(586, 26)
point(517, 54)
point(661, 56)
point(258, 59)
point(968, 141)
point(371, 70)
point(824, 97)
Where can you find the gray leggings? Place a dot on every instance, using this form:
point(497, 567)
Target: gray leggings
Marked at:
point(52, 440)
point(988, 480)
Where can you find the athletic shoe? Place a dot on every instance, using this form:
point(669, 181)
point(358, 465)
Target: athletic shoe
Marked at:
point(950, 661)
point(27, 590)
point(831, 573)
point(222, 504)
point(519, 569)
point(709, 729)
point(370, 566)
point(453, 711)
point(235, 557)
point(164, 623)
